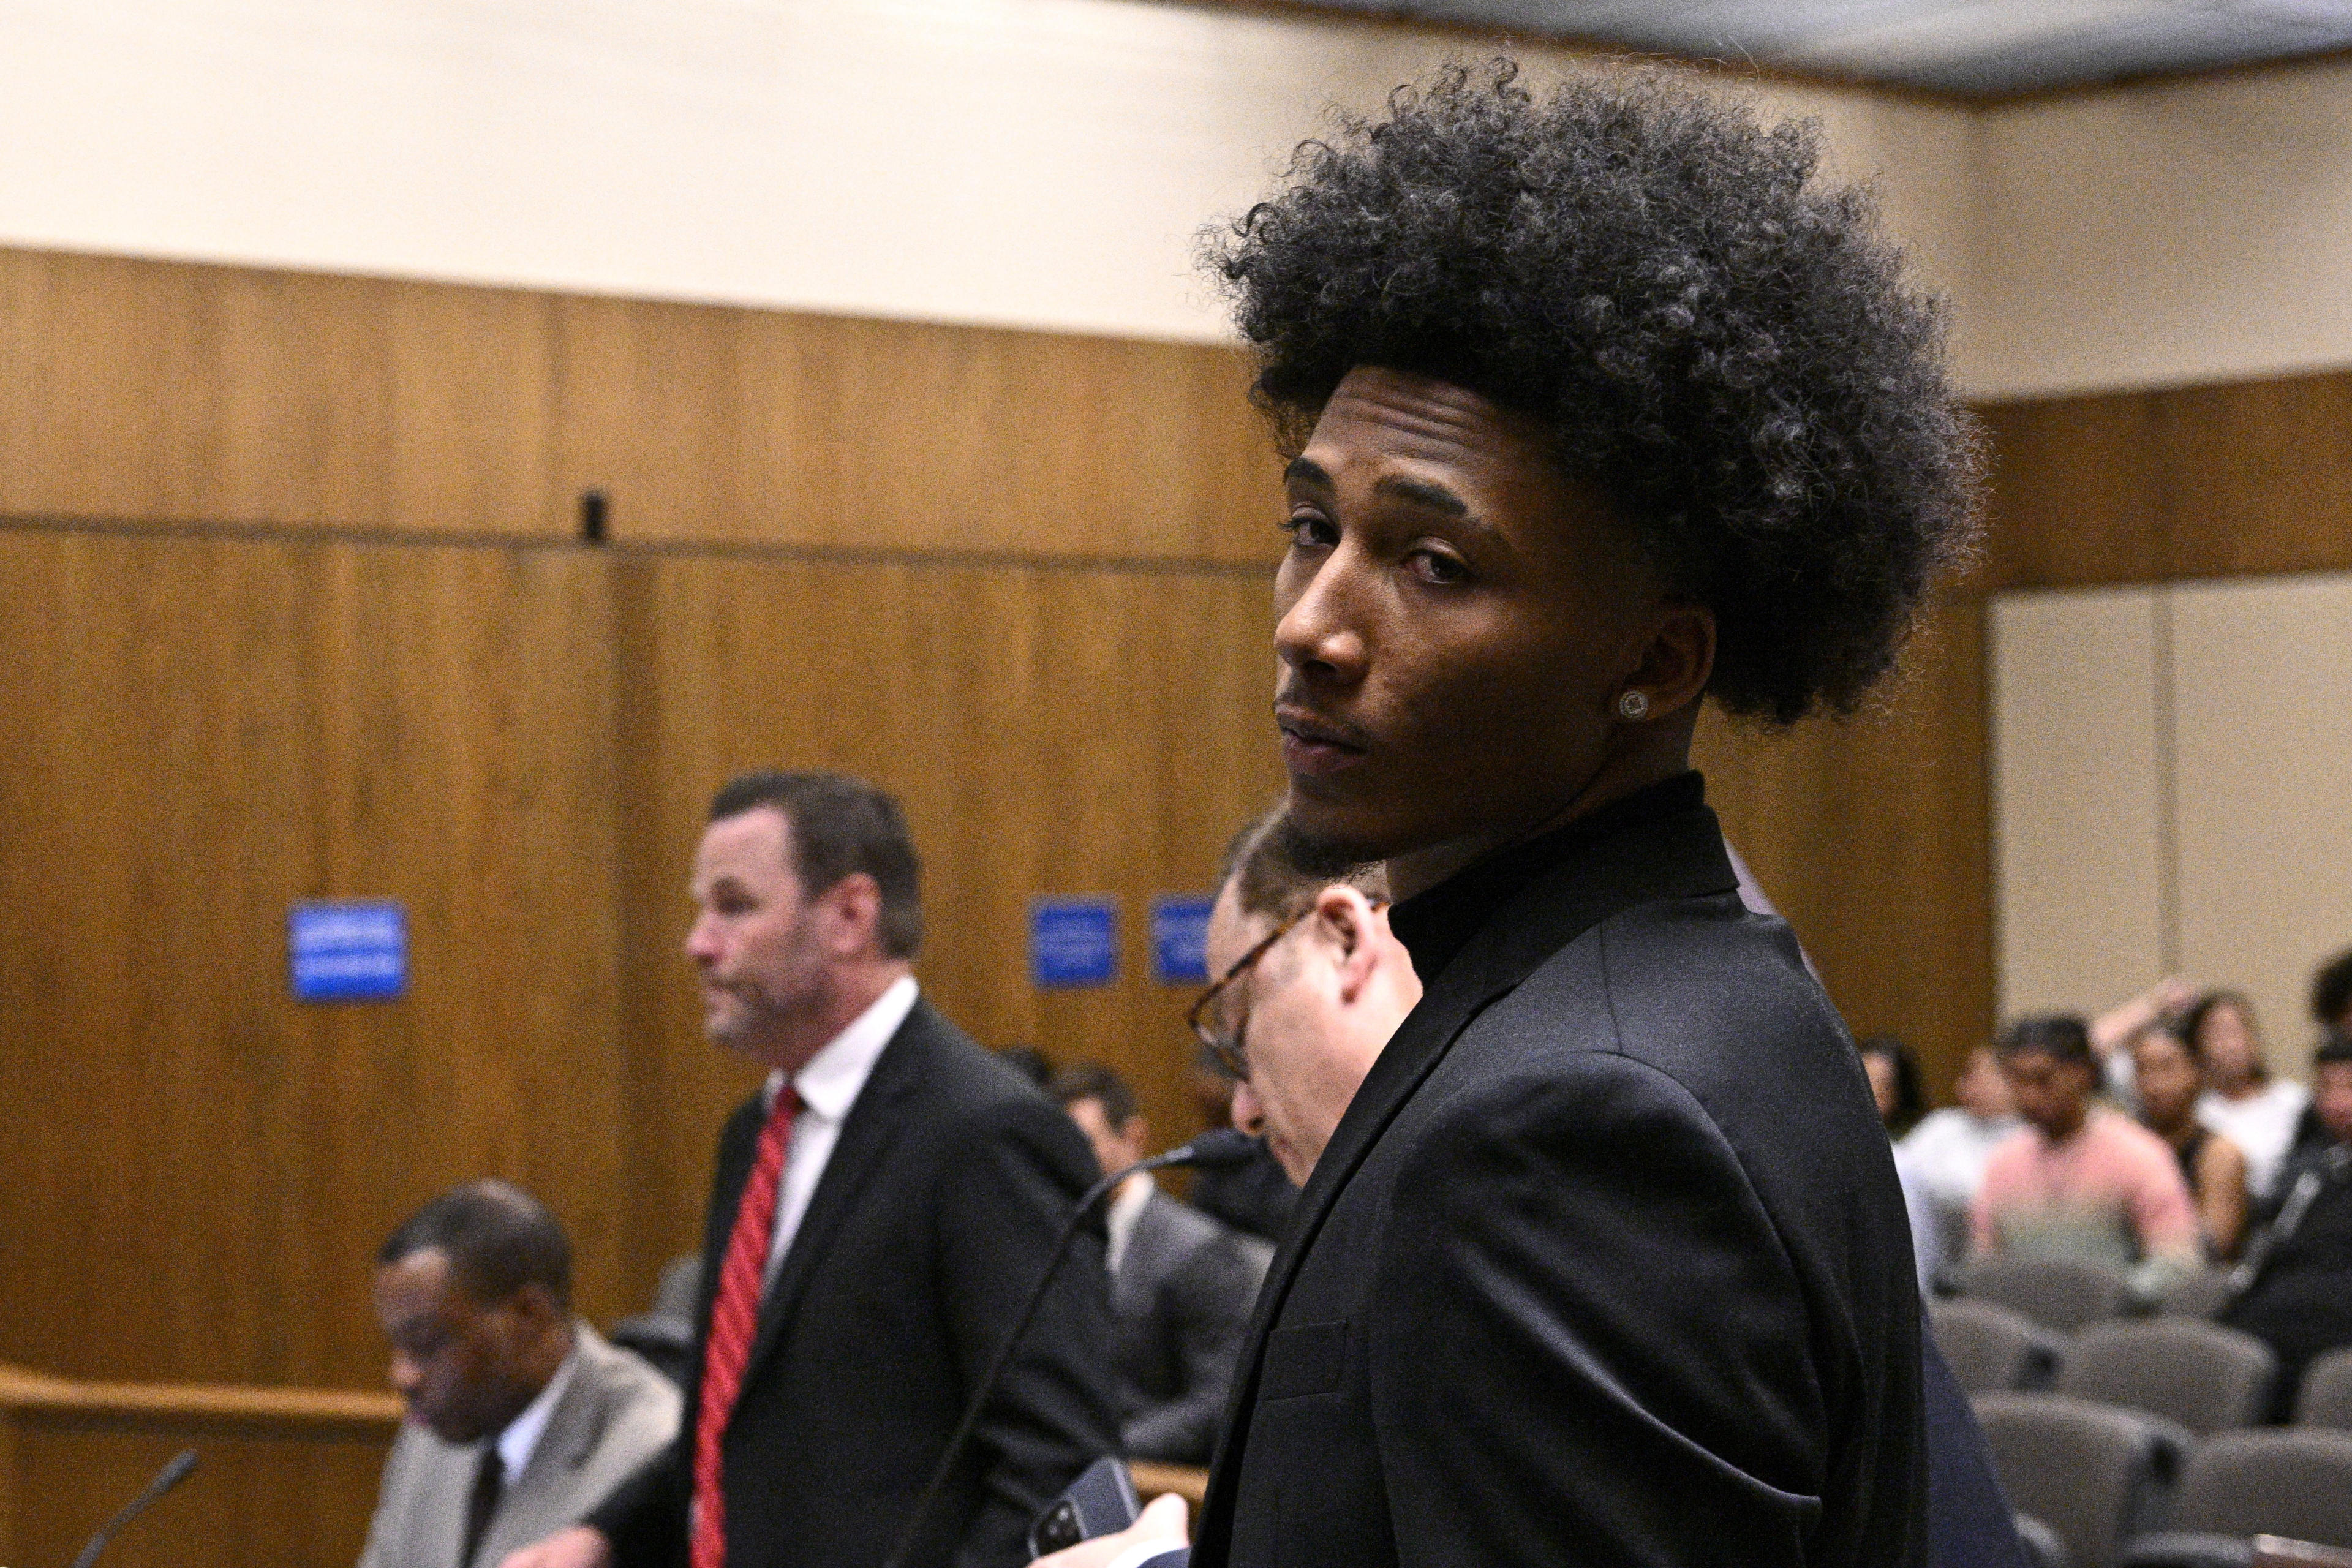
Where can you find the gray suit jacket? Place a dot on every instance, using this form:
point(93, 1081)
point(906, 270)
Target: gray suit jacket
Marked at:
point(1180, 1301)
point(616, 1413)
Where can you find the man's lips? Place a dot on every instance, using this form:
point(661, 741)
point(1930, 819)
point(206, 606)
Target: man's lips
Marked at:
point(1314, 746)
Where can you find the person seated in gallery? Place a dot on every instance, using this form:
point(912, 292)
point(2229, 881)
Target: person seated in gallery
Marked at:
point(1182, 1285)
point(2170, 1081)
point(1895, 1086)
point(521, 1417)
point(2082, 1180)
point(1949, 1148)
point(2293, 1291)
point(2257, 1112)
point(2331, 995)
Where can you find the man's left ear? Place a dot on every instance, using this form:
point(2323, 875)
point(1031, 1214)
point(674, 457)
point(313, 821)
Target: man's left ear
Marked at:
point(856, 904)
point(1353, 925)
point(1676, 663)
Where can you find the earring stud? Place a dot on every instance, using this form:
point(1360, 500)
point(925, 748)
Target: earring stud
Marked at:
point(1634, 705)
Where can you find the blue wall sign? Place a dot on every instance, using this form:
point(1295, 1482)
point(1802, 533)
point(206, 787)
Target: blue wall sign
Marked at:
point(1179, 938)
point(348, 950)
point(1073, 941)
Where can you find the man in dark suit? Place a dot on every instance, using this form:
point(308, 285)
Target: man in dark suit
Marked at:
point(1599, 405)
point(881, 1209)
point(1182, 1284)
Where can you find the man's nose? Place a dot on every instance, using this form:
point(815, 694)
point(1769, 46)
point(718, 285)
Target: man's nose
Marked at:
point(1321, 635)
point(405, 1378)
point(701, 940)
point(1248, 1115)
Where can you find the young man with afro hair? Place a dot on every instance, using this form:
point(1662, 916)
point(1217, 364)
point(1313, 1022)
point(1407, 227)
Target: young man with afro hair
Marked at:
point(1597, 402)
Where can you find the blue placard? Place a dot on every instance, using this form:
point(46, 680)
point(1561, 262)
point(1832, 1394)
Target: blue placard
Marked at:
point(348, 950)
point(1179, 938)
point(1073, 941)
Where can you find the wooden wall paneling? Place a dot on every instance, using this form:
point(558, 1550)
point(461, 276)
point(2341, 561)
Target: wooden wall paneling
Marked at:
point(2256, 478)
point(293, 1503)
point(197, 732)
point(711, 423)
point(1048, 730)
point(1871, 836)
point(164, 392)
point(2074, 496)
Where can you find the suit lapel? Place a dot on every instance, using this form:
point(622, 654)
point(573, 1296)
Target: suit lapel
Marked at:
point(866, 1134)
point(1681, 856)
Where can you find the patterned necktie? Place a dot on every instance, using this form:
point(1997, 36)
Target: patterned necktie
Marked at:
point(489, 1480)
point(734, 1319)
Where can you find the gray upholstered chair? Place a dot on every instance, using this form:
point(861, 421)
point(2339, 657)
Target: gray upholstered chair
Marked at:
point(2326, 1397)
point(2200, 1295)
point(2096, 1475)
point(2207, 1377)
point(2061, 1293)
point(1993, 1349)
point(2294, 1482)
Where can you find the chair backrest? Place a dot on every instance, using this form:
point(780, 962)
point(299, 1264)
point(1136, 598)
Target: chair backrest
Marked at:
point(2062, 1293)
point(2096, 1475)
point(1993, 1349)
point(2200, 1295)
point(2295, 1481)
point(2043, 1547)
point(2207, 1377)
point(680, 1289)
point(2326, 1397)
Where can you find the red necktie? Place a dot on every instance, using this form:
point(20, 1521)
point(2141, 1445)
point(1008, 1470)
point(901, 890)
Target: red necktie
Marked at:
point(734, 1319)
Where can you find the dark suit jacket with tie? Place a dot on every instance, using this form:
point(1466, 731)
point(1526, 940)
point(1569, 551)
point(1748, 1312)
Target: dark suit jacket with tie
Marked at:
point(1606, 1263)
point(1180, 1301)
point(928, 1229)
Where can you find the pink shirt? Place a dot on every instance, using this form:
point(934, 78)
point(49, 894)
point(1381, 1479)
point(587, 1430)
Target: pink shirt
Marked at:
point(2113, 1191)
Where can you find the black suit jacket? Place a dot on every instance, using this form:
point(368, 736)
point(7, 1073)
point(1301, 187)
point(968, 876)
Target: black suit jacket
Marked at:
point(928, 1228)
point(1179, 1303)
point(1606, 1262)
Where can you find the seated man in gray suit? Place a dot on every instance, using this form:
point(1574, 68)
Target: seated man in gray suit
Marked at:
point(1182, 1284)
point(521, 1417)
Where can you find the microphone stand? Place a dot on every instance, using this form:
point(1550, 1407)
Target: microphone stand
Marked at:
point(1187, 1155)
point(170, 1475)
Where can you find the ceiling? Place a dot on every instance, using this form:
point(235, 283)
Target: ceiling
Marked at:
point(1973, 49)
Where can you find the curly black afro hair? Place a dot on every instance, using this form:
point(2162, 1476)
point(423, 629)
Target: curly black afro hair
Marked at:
point(1722, 345)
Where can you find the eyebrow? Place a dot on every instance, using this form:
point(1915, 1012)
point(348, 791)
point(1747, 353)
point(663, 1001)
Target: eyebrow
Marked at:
point(1419, 492)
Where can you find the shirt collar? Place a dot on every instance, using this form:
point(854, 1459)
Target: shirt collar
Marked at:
point(829, 1081)
point(1436, 924)
point(520, 1439)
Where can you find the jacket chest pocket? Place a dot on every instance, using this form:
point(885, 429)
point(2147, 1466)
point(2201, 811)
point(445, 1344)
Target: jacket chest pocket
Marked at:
point(1308, 1358)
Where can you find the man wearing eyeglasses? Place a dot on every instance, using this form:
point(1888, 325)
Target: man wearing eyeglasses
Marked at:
point(1311, 982)
point(1327, 977)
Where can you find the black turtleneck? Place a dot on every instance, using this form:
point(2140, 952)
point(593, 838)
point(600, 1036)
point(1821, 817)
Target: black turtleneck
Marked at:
point(1435, 924)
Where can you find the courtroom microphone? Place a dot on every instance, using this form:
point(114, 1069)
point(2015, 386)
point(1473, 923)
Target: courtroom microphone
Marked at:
point(170, 1475)
point(1211, 1151)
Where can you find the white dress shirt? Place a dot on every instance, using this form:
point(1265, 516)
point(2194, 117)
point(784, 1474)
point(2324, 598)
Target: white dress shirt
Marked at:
point(1126, 1208)
point(520, 1439)
point(829, 1084)
point(2262, 1125)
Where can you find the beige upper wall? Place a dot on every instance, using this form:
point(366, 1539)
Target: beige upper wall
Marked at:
point(2194, 231)
point(1027, 163)
point(1047, 163)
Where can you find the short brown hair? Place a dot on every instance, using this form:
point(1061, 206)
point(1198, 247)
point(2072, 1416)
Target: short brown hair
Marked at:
point(841, 826)
point(1092, 1081)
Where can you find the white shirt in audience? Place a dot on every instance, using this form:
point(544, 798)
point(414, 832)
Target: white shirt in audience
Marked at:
point(1948, 1150)
point(2263, 1124)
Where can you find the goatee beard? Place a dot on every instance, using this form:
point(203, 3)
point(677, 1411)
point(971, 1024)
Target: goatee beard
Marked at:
point(1311, 854)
